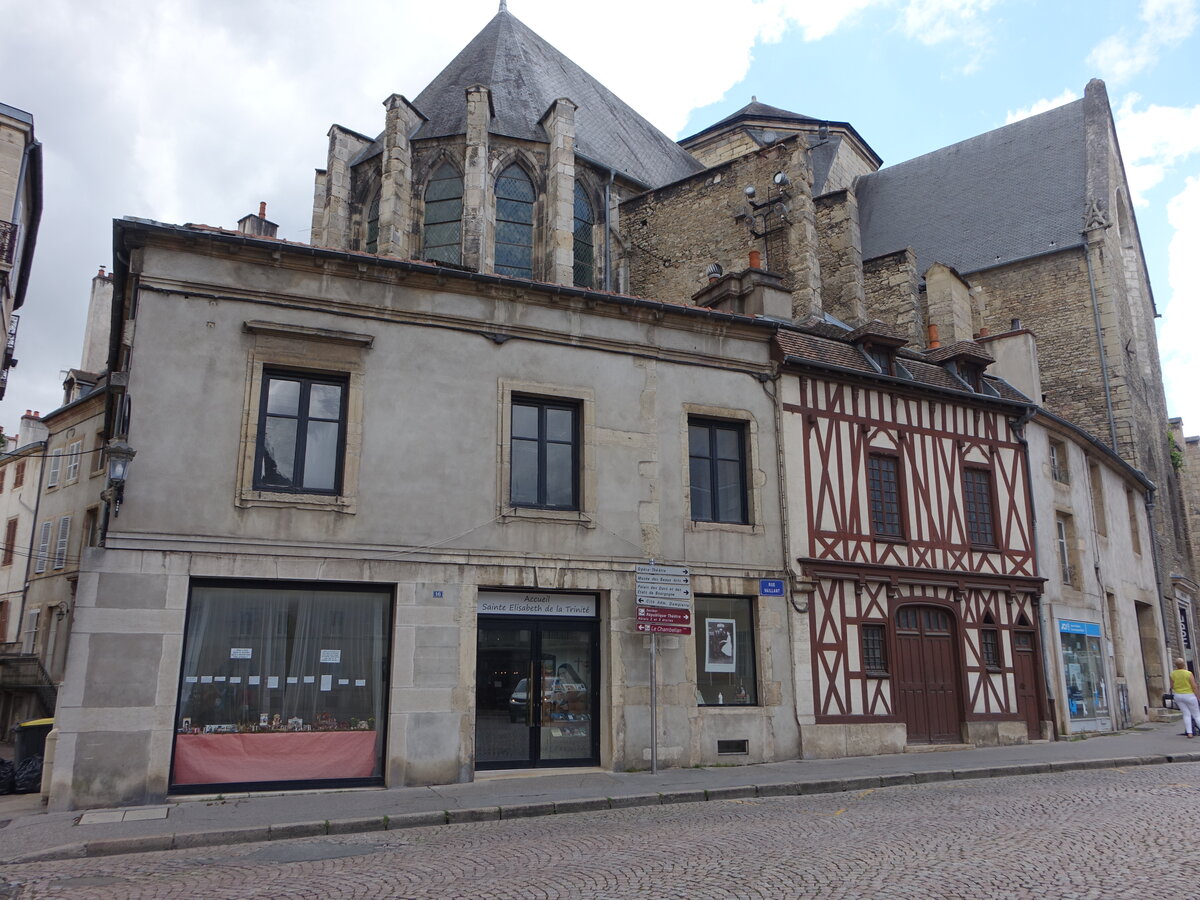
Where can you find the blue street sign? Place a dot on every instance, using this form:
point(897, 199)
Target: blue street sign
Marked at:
point(770, 587)
point(1066, 626)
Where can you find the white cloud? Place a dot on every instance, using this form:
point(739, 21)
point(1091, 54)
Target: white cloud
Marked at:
point(1181, 315)
point(1167, 23)
point(960, 21)
point(1155, 141)
point(1041, 106)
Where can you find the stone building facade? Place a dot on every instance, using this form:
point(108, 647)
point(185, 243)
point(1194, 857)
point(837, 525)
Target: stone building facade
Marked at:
point(20, 214)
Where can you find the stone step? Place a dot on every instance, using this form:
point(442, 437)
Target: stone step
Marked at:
point(936, 748)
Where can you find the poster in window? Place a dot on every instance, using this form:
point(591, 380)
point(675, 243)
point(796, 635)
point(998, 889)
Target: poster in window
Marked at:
point(720, 646)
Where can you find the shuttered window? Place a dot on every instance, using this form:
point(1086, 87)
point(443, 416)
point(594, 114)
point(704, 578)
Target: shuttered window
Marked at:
point(43, 552)
point(64, 536)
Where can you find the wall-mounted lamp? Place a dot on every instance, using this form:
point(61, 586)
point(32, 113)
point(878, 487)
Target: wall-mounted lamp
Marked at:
point(119, 456)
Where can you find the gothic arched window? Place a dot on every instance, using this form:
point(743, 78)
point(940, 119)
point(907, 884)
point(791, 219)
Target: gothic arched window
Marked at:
point(514, 223)
point(372, 245)
point(585, 251)
point(443, 216)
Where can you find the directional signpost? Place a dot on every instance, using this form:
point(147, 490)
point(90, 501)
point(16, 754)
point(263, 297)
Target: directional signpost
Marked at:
point(664, 606)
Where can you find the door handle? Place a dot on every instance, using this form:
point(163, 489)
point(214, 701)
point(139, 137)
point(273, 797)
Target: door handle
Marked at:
point(529, 699)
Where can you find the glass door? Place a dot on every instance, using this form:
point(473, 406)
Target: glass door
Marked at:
point(537, 695)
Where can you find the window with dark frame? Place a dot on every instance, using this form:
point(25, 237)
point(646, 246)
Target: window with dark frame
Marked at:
point(301, 433)
point(989, 645)
point(544, 459)
point(977, 496)
point(726, 670)
point(882, 357)
point(874, 649)
point(10, 541)
point(717, 471)
point(883, 477)
point(19, 474)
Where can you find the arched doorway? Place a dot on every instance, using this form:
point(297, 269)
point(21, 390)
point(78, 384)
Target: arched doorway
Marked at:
point(927, 681)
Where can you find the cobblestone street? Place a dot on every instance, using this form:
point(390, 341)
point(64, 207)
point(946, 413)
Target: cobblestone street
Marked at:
point(1098, 835)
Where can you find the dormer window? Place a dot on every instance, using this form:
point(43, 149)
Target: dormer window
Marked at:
point(972, 374)
point(882, 356)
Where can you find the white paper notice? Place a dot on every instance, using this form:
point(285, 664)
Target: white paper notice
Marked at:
point(309, 679)
point(206, 679)
point(331, 656)
point(191, 679)
point(360, 682)
point(292, 679)
point(343, 681)
point(241, 652)
point(326, 682)
point(235, 679)
point(253, 679)
point(218, 678)
point(272, 681)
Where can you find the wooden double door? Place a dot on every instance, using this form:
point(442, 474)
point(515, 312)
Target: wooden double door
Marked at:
point(927, 675)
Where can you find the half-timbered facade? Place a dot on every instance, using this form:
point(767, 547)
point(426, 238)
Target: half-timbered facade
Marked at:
point(911, 534)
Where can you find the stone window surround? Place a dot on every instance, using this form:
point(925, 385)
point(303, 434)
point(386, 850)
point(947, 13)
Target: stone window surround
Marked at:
point(585, 515)
point(302, 349)
point(755, 477)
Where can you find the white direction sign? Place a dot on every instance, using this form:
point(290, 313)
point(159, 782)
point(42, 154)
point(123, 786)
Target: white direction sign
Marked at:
point(665, 604)
point(665, 591)
point(662, 570)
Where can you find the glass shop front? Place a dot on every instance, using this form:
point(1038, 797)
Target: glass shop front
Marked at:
point(283, 684)
point(1087, 697)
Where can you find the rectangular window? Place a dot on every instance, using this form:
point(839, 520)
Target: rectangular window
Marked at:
point(43, 552)
point(1098, 511)
point(1063, 531)
point(301, 434)
point(282, 683)
point(3, 476)
point(1135, 534)
point(64, 536)
point(989, 642)
point(1058, 462)
point(725, 665)
point(883, 475)
point(717, 471)
point(98, 453)
point(10, 541)
point(545, 453)
point(881, 356)
point(74, 451)
point(19, 474)
point(977, 494)
point(55, 468)
point(874, 650)
point(91, 528)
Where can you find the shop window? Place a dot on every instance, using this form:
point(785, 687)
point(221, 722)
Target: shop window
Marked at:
point(443, 216)
point(717, 471)
point(301, 433)
point(544, 458)
point(74, 451)
point(874, 650)
point(725, 658)
point(977, 495)
point(271, 693)
point(55, 469)
point(585, 252)
point(514, 223)
point(10, 541)
point(1083, 666)
point(883, 477)
point(1058, 462)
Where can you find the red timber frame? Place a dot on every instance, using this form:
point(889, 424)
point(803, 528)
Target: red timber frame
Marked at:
point(858, 579)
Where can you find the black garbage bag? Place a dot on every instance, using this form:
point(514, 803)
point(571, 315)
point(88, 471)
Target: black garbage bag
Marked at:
point(29, 776)
point(6, 776)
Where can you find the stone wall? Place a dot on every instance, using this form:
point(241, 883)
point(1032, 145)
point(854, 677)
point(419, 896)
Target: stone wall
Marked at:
point(892, 293)
point(840, 252)
point(673, 234)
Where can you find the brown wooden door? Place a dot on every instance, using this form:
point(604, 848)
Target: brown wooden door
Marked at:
point(926, 675)
point(1025, 670)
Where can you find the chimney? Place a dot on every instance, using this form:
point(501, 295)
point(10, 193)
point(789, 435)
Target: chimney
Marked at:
point(755, 259)
point(32, 429)
point(258, 225)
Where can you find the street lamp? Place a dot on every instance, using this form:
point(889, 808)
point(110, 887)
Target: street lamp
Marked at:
point(119, 455)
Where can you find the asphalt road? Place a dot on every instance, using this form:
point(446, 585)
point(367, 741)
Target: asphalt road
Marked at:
point(1097, 835)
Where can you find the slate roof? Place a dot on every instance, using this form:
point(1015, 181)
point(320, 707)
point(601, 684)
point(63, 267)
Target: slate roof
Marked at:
point(526, 75)
point(1009, 194)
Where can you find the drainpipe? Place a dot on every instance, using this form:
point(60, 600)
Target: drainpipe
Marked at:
point(1018, 427)
point(1112, 423)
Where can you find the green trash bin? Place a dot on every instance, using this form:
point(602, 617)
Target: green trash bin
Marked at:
point(30, 739)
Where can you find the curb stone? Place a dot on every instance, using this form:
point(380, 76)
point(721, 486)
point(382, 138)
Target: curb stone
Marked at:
point(290, 831)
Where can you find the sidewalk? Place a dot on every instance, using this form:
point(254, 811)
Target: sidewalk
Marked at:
point(32, 834)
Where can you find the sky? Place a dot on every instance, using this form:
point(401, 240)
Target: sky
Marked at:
point(197, 110)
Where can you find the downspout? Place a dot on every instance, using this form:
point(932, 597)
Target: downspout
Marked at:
point(1018, 427)
point(1108, 406)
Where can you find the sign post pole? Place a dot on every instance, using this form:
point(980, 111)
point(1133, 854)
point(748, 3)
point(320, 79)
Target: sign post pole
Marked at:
point(653, 703)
